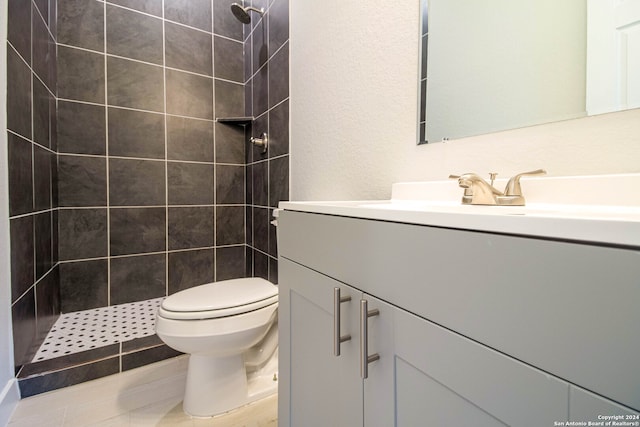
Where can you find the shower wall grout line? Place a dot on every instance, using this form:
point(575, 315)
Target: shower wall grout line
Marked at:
point(106, 141)
point(9, 131)
point(151, 159)
point(121, 107)
point(266, 15)
point(43, 20)
point(143, 206)
point(24, 215)
point(166, 163)
point(100, 156)
point(138, 254)
point(269, 59)
point(139, 11)
point(33, 285)
point(111, 55)
point(168, 20)
point(33, 162)
point(31, 69)
point(249, 156)
point(215, 170)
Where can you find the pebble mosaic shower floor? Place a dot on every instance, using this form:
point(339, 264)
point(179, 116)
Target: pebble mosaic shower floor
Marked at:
point(83, 330)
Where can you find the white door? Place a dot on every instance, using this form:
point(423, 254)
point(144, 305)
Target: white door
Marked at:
point(613, 55)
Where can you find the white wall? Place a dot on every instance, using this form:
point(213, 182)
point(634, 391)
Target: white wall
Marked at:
point(354, 74)
point(9, 394)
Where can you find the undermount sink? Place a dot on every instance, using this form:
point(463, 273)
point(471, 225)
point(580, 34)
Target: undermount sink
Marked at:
point(597, 208)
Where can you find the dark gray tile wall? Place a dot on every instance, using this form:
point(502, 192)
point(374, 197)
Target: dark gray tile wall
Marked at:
point(133, 35)
point(85, 285)
point(266, 70)
point(144, 198)
point(32, 147)
point(117, 165)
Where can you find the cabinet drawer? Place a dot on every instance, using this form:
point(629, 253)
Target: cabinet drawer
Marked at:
point(570, 309)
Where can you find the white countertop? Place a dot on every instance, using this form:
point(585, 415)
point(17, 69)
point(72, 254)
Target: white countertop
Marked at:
point(593, 214)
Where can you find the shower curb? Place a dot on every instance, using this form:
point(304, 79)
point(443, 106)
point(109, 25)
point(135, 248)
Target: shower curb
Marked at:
point(52, 374)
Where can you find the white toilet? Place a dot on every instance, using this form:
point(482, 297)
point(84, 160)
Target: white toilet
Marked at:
point(229, 328)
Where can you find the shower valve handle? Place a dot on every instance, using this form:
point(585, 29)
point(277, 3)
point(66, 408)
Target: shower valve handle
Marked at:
point(260, 142)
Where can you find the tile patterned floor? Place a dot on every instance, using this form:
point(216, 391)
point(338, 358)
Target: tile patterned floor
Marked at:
point(147, 396)
point(83, 330)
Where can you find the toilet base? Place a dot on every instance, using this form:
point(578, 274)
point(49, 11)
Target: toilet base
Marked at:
point(217, 385)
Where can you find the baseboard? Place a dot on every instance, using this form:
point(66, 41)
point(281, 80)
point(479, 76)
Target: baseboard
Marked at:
point(9, 398)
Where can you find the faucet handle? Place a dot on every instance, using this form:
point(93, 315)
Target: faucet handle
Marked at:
point(513, 186)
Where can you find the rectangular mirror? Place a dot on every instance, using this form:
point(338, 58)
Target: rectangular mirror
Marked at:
point(504, 64)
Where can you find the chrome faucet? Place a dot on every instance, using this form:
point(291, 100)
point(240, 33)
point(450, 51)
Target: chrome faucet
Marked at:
point(477, 191)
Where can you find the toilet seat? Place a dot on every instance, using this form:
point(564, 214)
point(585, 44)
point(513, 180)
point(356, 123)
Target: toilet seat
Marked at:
point(222, 299)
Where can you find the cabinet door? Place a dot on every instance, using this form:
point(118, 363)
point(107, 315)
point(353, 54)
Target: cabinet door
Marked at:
point(379, 386)
point(435, 377)
point(318, 388)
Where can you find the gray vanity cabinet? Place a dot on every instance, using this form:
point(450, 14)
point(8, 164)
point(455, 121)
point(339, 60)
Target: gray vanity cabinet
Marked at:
point(473, 328)
point(426, 375)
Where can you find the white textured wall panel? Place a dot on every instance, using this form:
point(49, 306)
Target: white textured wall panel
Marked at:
point(354, 74)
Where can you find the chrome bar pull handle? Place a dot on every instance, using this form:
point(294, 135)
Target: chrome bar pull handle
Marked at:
point(337, 338)
point(365, 358)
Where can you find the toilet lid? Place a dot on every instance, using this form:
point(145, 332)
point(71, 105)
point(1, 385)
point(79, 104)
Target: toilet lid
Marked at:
point(225, 298)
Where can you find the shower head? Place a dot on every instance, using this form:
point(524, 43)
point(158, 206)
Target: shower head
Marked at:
point(242, 13)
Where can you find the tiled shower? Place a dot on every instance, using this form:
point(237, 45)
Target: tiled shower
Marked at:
point(123, 186)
